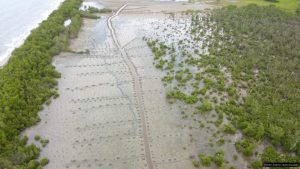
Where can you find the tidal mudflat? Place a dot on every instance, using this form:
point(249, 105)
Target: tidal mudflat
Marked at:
point(112, 111)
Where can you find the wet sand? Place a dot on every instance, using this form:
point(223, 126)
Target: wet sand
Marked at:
point(112, 111)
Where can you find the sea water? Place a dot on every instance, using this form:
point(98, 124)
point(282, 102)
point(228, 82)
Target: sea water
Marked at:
point(18, 18)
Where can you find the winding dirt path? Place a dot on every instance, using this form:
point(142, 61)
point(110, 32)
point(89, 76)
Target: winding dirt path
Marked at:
point(136, 85)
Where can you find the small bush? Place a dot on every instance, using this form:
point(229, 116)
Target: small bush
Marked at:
point(245, 146)
point(37, 137)
point(219, 158)
point(44, 161)
point(44, 142)
point(229, 129)
point(206, 106)
point(195, 163)
point(205, 160)
point(235, 156)
point(221, 141)
point(256, 164)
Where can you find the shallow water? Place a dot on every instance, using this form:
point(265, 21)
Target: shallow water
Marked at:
point(85, 5)
point(97, 121)
point(18, 18)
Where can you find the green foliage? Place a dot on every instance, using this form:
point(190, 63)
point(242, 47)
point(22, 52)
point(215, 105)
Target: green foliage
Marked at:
point(220, 86)
point(167, 79)
point(219, 158)
point(246, 146)
point(76, 21)
point(44, 142)
point(92, 9)
point(208, 83)
point(44, 161)
point(159, 52)
point(267, 60)
point(87, 14)
point(179, 95)
point(206, 106)
point(276, 133)
point(256, 164)
point(231, 91)
point(183, 76)
point(287, 5)
point(298, 10)
point(228, 128)
point(105, 10)
point(205, 160)
point(259, 49)
point(28, 80)
point(198, 76)
point(91, 12)
point(33, 164)
point(37, 137)
point(195, 163)
point(270, 155)
point(272, 0)
point(179, 75)
point(235, 156)
point(221, 141)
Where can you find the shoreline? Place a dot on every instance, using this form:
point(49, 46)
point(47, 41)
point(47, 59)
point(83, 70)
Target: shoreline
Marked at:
point(28, 81)
point(111, 105)
point(20, 37)
point(118, 107)
point(168, 6)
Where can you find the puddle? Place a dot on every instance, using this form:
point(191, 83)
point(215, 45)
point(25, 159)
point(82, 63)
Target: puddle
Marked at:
point(67, 23)
point(100, 31)
point(86, 5)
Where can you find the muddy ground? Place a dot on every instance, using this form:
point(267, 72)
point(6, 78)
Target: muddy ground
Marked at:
point(112, 111)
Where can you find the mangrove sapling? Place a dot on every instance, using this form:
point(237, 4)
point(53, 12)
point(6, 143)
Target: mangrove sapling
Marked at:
point(44, 142)
point(218, 122)
point(215, 100)
point(205, 160)
point(229, 129)
point(235, 156)
point(168, 79)
point(205, 107)
point(195, 85)
point(219, 158)
point(245, 146)
point(44, 161)
point(221, 141)
point(198, 76)
point(37, 137)
point(195, 163)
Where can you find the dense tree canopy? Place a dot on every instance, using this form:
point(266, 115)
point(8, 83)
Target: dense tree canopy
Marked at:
point(261, 48)
point(252, 66)
point(28, 80)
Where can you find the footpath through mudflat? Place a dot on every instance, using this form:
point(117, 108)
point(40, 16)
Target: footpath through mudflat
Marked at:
point(112, 112)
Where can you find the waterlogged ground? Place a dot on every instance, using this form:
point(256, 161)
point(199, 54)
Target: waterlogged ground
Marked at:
point(112, 107)
point(175, 32)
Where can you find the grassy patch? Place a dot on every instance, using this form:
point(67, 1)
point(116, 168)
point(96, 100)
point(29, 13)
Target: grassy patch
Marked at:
point(289, 5)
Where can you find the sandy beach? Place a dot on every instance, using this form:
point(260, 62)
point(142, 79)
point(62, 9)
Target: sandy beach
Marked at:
point(17, 19)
